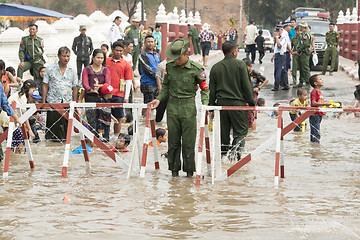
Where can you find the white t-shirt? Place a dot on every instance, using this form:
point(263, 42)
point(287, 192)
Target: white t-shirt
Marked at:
point(128, 58)
point(282, 40)
point(4, 118)
point(288, 41)
point(250, 32)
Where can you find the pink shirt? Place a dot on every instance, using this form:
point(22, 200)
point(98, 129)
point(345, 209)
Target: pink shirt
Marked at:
point(89, 76)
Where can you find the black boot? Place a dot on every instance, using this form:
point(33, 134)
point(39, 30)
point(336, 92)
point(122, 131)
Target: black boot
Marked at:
point(189, 174)
point(175, 173)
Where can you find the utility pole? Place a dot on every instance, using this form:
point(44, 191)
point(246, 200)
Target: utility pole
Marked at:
point(194, 7)
point(142, 12)
point(186, 10)
point(240, 22)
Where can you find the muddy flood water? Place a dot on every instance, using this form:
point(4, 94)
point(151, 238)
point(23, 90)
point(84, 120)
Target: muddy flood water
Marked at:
point(319, 198)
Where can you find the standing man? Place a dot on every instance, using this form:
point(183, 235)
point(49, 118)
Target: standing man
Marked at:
point(249, 38)
point(82, 47)
point(295, 41)
point(31, 52)
point(182, 78)
point(260, 43)
point(121, 80)
point(148, 62)
point(194, 34)
point(304, 55)
point(115, 30)
point(293, 25)
point(230, 86)
point(332, 39)
point(287, 28)
point(280, 69)
point(157, 37)
point(59, 86)
point(133, 33)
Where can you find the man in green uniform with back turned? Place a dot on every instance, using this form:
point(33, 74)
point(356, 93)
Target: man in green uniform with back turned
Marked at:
point(181, 81)
point(304, 55)
point(230, 85)
point(194, 34)
point(332, 40)
point(31, 53)
point(133, 34)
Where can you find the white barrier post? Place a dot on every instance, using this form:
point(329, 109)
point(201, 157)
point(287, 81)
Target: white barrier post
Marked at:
point(68, 140)
point(217, 143)
point(277, 155)
point(200, 147)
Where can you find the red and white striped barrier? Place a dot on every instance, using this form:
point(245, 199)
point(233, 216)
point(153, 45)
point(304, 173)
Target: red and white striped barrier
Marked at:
point(278, 148)
point(68, 141)
point(154, 142)
point(200, 147)
point(145, 145)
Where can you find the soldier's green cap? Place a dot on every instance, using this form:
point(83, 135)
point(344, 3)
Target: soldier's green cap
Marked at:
point(177, 48)
point(303, 24)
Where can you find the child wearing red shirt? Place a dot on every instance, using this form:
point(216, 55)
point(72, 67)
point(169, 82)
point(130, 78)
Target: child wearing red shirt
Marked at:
point(317, 100)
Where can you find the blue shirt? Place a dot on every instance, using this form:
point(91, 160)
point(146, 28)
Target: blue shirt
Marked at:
point(157, 39)
point(292, 33)
point(60, 86)
point(5, 106)
point(148, 63)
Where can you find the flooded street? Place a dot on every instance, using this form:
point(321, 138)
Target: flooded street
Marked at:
point(318, 199)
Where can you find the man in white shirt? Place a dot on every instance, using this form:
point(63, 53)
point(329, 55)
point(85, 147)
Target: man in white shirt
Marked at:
point(115, 31)
point(280, 70)
point(249, 37)
point(287, 28)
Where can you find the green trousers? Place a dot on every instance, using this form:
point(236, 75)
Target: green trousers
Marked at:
point(330, 52)
point(33, 67)
point(135, 56)
point(196, 45)
point(181, 121)
point(295, 65)
point(238, 120)
point(304, 68)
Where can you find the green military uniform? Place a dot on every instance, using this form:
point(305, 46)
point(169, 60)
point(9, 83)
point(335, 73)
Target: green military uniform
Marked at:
point(230, 85)
point(134, 35)
point(31, 53)
point(194, 34)
point(332, 40)
point(304, 51)
point(295, 41)
point(181, 83)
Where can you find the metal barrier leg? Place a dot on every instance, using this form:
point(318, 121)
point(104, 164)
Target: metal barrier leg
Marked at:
point(154, 142)
point(277, 155)
point(145, 144)
point(8, 144)
point(27, 146)
point(86, 153)
point(135, 147)
point(68, 141)
point(207, 146)
point(217, 143)
point(282, 163)
point(200, 148)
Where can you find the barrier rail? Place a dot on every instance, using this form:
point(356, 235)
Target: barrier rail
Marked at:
point(69, 113)
point(279, 138)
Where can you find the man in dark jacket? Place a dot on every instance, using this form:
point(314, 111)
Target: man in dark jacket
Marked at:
point(82, 47)
point(230, 86)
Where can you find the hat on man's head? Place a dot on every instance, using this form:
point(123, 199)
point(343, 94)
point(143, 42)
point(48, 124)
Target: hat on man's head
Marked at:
point(36, 94)
point(287, 24)
point(177, 48)
point(303, 24)
point(135, 19)
point(105, 89)
point(206, 26)
point(278, 27)
point(82, 27)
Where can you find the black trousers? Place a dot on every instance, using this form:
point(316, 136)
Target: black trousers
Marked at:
point(261, 53)
point(251, 48)
point(160, 110)
point(79, 64)
point(56, 126)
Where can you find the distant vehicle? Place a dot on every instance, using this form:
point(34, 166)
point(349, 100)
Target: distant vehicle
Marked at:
point(269, 40)
point(318, 20)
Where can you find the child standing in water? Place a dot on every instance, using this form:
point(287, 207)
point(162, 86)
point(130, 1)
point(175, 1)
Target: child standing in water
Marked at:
point(301, 101)
point(317, 100)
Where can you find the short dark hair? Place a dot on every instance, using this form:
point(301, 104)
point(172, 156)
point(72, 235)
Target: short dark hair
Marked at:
point(331, 23)
point(293, 19)
point(125, 137)
point(297, 28)
point(116, 18)
point(63, 49)
point(160, 132)
point(357, 95)
point(313, 79)
point(148, 36)
point(247, 61)
point(260, 31)
point(252, 21)
point(261, 101)
point(41, 68)
point(300, 91)
point(228, 47)
point(11, 70)
point(117, 44)
point(33, 25)
point(157, 25)
point(127, 42)
point(105, 45)
point(2, 65)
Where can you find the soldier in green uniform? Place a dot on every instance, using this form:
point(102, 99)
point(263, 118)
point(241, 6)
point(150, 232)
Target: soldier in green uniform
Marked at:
point(133, 33)
point(31, 53)
point(304, 55)
point(332, 39)
point(194, 34)
point(181, 81)
point(295, 41)
point(230, 85)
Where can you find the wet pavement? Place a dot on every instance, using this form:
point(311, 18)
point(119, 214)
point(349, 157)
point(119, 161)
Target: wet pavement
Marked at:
point(318, 199)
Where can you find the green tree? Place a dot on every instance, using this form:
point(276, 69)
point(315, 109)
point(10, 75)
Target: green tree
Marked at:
point(73, 7)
